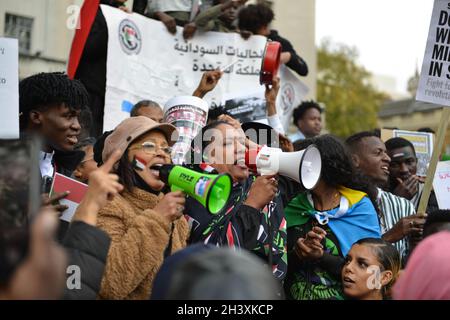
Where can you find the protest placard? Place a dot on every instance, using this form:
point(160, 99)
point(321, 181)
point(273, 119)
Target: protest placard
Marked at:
point(441, 184)
point(422, 142)
point(434, 84)
point(9, 88)
point(246, 106)
point(61, 183)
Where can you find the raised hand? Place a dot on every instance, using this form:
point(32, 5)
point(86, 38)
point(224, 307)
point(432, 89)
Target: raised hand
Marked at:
point(103, 186)
point(285, 144)
point(407, 188)
point(209, 81)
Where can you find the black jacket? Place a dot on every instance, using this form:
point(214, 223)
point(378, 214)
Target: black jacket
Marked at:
point(245, 220)
point(88, 248)
point(245, 227)
point(139, 6)
point(65, 163)
point(296, 63)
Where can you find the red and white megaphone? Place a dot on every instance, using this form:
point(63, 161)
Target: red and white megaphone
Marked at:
point(270, 62)
point(304, 166)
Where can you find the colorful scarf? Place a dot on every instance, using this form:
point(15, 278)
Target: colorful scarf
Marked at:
point(354, 219)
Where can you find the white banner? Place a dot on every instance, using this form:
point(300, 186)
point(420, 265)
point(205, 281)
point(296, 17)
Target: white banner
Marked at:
point(434, 83)
point(9, 88)
point(147, 62)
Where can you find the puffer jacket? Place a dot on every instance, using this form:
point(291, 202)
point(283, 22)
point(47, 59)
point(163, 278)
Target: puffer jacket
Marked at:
point(87, 247)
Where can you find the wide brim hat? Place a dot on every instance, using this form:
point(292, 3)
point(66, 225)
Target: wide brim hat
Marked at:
point(132, 128)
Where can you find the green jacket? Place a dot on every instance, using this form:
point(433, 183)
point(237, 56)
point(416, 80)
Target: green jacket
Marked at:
point(208, 20)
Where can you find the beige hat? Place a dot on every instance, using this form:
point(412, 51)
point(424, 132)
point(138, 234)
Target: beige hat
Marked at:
point(129, 129)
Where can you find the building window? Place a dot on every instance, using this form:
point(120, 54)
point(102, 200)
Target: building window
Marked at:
point(20, 28)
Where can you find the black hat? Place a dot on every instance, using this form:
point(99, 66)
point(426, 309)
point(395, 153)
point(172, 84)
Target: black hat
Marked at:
point(98, 147)
point(261, 134)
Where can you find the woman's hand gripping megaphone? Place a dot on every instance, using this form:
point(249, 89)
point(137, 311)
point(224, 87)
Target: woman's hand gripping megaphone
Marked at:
point(172, 205)
point(262, 191)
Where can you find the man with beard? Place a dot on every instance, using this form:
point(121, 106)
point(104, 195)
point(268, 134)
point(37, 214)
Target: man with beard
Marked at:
point(398, 218)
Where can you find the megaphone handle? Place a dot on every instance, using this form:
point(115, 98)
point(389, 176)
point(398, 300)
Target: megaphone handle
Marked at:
point(174, 188)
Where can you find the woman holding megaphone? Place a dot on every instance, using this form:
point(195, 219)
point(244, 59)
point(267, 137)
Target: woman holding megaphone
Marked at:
point(143, 223)
point(245, 222)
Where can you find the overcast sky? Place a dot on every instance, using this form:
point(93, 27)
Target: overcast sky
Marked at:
point(389, 34)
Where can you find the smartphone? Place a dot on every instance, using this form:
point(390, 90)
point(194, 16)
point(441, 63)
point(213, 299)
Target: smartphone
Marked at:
point(20, 200)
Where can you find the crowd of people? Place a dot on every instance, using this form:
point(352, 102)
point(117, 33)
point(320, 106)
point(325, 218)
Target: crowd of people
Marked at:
point(355, 235)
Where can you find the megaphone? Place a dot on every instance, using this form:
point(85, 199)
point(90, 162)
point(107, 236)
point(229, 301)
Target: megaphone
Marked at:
point(211, 190)
point(303, 166)
point(270, 62)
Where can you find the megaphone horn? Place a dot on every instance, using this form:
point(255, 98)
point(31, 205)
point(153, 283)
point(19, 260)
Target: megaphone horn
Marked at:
point(211, 190)
point(270, 62)
point(303, 166)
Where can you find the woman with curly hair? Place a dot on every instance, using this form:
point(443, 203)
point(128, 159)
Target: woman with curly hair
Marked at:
point(323, 224)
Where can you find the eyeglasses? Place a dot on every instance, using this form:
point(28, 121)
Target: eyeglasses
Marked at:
point(151, 148)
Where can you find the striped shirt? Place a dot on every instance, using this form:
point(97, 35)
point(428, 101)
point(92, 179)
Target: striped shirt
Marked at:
point(394, 208)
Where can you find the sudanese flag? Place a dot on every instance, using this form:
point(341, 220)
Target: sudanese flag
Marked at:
point(87, 16)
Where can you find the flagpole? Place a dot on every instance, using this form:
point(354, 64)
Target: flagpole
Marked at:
point(86, 19)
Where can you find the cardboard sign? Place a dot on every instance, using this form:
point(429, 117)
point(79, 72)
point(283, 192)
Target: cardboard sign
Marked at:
point(9, 88)
point(422, 142)
point(441, 184)
point(434, 83)
point(61, 183)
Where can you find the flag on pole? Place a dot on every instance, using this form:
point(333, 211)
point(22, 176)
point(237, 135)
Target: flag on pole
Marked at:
point(87, 16)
